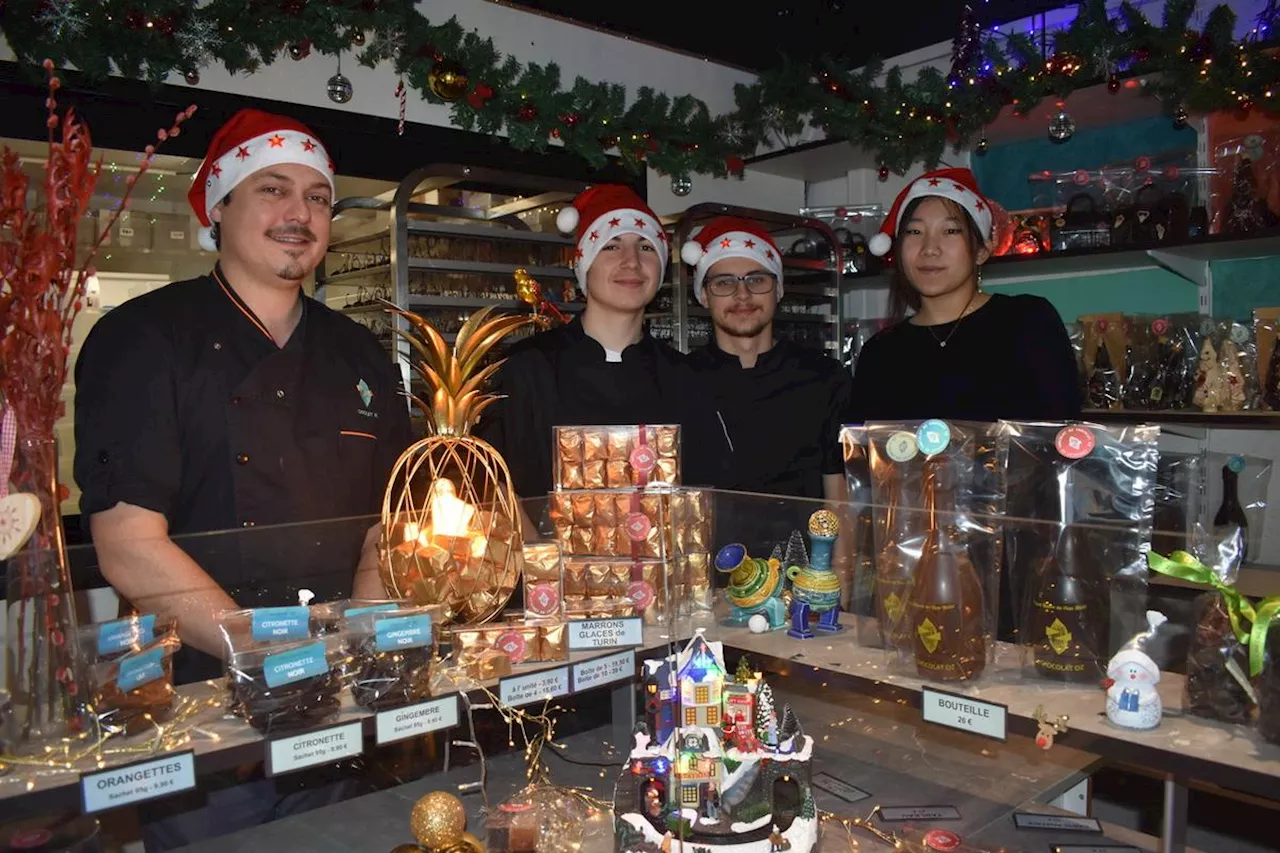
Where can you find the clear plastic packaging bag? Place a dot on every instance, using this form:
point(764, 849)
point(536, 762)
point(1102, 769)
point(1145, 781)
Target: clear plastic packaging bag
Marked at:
point(130, 667)
point(283, 624)
point(1217, 683)
point(1078, 526)
point(616, 457)
point(1235, 494)
point(938, 490)
point(284, 687)
point(861, 598)
point(390, 654)
point(1266, 329)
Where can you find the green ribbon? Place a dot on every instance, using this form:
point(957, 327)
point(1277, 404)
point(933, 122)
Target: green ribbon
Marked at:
point(1266, 611)
point(1180, 564)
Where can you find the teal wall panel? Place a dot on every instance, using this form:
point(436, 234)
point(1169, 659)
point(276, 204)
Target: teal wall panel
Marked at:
point(1241, 286)
point(1144, 291)
point(1003, 171)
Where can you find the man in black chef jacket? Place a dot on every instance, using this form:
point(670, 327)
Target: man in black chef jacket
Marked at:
point(782, 405)
point(603, 368)
point(234, 401)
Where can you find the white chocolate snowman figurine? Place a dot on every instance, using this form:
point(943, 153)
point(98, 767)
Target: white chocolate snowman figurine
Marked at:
point(1132, 699)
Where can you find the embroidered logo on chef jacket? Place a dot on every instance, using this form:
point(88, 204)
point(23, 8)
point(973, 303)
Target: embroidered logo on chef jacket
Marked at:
point(366, 393)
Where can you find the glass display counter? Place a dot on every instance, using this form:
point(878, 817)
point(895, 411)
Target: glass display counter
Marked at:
point(870, 754)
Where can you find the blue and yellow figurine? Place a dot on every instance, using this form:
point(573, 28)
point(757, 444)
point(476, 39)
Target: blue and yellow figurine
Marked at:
point(755, 586)
point(815, 588)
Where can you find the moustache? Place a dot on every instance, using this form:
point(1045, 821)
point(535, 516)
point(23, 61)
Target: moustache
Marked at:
point(292, 231)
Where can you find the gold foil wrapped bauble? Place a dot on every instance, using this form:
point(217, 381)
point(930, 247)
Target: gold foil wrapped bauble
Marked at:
point(438, 820)
point(824, 523)
point(449, 80)
point(408, 848)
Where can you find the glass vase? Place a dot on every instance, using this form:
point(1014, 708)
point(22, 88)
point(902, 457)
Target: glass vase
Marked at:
point(40, 608)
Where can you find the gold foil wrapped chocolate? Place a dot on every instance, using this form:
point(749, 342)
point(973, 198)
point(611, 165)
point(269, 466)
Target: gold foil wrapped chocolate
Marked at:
point(554, 642)
point(543, 593)
point(604, 542)
point(606, 509)
point(607, 580)
point(616, 456)
point(486, 665)
point(583, 508)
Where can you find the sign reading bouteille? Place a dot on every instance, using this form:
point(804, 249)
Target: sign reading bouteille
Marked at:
point(606, 633)
point(989, 719)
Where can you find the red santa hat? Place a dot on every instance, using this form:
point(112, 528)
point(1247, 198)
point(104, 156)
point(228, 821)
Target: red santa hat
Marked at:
point(730, 237)
point(959, 185)
point(603, 212)
point(251, 140)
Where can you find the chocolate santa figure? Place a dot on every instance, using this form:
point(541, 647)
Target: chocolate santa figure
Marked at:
point(1104, 384)
point(1246, 212)
point(1132, 699)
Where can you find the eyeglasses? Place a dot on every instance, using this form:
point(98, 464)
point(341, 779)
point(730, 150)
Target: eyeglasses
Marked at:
point(727, 285)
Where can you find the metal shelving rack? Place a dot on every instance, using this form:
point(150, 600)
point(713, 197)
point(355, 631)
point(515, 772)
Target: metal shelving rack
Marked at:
point(812, 298)
point(418, 282)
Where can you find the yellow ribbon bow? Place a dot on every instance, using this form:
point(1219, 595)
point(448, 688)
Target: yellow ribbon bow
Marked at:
point(1264, 613)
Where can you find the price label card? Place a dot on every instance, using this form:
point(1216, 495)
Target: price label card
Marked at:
point(839, 787)
point(535, 687)
point(399, 723)
point(1094, 848)
point(989, 719)
point(1055, 822)
point(309, 749)
point(894, 814)
point(606, 670)
point(142, 780)
point(606, 633)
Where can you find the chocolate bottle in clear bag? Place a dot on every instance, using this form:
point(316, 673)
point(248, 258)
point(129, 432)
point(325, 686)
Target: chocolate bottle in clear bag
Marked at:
point(946, 608)
point(1068, 609)
point(1271, 393)
point(895, 563)
point(1230, 517)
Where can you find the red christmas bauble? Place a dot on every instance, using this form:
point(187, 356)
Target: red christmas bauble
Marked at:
point(569, 120)
point(883, 173)
point(527, 112)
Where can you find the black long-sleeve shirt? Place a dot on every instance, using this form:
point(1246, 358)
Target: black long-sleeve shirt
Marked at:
point(1009, 359)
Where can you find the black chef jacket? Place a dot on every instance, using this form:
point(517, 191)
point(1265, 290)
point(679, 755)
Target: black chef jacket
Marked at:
point(561, 378)
point(186, 406)
point(783, 417)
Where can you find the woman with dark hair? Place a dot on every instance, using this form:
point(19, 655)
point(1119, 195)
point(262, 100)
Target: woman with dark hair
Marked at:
point(961, 354)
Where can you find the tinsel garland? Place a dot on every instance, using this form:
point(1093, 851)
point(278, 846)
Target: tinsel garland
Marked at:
point(903, 122)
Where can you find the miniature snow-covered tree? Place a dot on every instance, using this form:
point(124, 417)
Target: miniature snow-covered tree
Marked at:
point(796, 553)
point(766, 717)
point(790, 727)
point(743, 673)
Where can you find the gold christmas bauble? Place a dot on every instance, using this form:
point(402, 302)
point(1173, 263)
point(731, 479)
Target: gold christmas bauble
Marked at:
point(438, 820)
point(407, 848)
point(824, 523)
point(449, 80)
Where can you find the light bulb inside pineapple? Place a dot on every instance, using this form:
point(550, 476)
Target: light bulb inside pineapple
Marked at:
point(411, 531)
point(450, 515)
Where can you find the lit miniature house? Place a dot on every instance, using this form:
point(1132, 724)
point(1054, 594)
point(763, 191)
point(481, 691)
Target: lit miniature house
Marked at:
point(729, 773)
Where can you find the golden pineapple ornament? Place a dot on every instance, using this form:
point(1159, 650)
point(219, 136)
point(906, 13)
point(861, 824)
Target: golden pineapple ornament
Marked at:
point(450, 516)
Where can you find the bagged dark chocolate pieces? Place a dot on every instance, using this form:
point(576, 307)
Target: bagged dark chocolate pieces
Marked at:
point(1217, 684)
point(1268, 689)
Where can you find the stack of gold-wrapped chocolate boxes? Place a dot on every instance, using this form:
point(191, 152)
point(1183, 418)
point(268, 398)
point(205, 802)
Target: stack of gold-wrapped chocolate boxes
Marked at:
point(635, 542)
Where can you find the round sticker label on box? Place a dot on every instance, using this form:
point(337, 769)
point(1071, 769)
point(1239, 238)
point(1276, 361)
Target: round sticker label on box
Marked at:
point(638, 526)
point(544, 599)
point(901, 447)
point(933, 437)
point(643, 459)
point(942, 840)
point(514, 645)
point(1075, 442)
point(641, 594)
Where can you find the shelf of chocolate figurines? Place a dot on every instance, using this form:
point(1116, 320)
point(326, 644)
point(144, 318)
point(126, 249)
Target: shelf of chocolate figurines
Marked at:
point(419, 301)
point(455, 229)
point(445, 265)
point(1186, 417)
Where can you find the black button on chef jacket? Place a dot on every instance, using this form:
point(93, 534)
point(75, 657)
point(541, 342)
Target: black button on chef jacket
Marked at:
point(782, 417)
point(186, 406)
point(562, 377)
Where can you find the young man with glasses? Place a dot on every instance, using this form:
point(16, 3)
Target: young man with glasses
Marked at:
point(781, 405)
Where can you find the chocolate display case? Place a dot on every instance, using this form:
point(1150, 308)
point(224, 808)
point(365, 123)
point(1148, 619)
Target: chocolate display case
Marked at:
point(877, 738)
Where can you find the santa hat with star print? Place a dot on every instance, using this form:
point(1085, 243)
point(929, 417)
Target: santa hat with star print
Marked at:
point(603, 212)
point(730, 237)
point(959, 185)
point(251, 140)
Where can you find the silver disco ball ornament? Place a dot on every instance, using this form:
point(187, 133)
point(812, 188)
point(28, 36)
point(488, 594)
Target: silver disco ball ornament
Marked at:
point(339, 89)
point(681, 185)
point(1061, 127)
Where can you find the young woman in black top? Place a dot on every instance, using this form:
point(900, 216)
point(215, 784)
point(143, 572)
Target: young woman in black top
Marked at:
point(963, 354)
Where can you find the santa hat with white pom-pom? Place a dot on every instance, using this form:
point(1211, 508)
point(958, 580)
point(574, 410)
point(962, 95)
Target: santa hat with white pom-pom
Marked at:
point(730, 237)
point(603, 212)
point(251, 140)
point(958, 185)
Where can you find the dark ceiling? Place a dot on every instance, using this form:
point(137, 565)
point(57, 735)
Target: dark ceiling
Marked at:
point(754, 34)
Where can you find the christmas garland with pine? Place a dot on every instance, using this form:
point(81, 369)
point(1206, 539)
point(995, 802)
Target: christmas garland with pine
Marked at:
point(903, 122)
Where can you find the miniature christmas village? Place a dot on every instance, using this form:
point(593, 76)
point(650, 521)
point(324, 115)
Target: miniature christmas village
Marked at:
point(714, 767)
